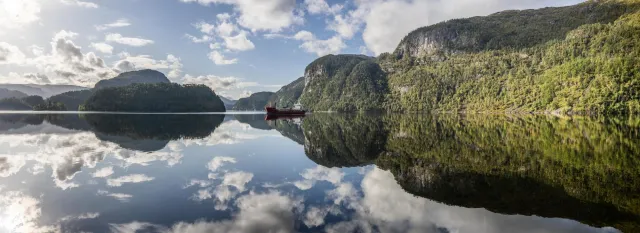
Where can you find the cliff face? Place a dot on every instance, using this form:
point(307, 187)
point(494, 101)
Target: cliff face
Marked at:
point(506, 30)
point(343, 83)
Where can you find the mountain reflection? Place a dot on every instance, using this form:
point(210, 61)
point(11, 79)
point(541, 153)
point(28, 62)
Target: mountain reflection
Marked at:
point(361, 173)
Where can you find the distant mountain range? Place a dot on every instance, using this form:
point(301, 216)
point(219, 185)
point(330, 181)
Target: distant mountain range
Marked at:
point(228, 103)
point(41, 90)
point(255, 102)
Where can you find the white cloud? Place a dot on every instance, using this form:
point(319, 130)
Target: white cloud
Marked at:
point(80, 3)
point(237, 180)
point(16, 14)
point(10, 54)
point(322, 7)
point(135, 178)
point(310, 44)
point(21, 213)
point(202, 39)
point(122, 197)
point(218, 161)
point(171, 63)
point(238, 42)
point(117, 24)
point(102, 47)
point(131, 41)
point(260, 15)
point(103, 172)
point(219, 59)
point(205, 28)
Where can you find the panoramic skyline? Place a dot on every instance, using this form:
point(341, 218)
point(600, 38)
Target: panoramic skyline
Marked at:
point(236, 47)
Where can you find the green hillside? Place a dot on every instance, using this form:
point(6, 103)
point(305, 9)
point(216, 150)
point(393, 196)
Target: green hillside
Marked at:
point(576, 59)
point(255, 102)
point(344, 83)
point(158, 97)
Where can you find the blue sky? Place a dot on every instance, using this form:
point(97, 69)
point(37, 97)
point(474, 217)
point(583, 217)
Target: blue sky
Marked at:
point(236, 47)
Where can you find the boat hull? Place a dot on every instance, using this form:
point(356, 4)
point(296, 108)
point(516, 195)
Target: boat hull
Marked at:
point(284, 112)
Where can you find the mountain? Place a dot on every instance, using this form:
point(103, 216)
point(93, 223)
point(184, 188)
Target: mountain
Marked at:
point(6, 93)
point(72, 100)
point(139, 76)
point(343, 83)
point(154, 97)
point(578, 59)
point(42, 90)
point(228, 103)
point(255, 102)
point(288, 95)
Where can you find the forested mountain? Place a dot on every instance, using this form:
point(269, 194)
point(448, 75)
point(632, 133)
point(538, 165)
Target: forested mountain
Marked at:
point(71, 100)
point(42, 90)
point(154, 97)
point(577, 59)
point(139, 76)
point(256, 101)
point(288, 95)
point(343, 83)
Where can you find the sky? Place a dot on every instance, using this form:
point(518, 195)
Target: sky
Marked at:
point(236, 47)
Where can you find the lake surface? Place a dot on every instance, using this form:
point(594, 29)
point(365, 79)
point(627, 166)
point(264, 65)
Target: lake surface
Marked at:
point(323, 173)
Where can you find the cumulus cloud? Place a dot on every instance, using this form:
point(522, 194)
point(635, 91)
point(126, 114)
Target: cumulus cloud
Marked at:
point(266, 212)
point(16, 14)
point(10, 54)
point(103, 172)
point(311, 44)
point(129, 63)
point(217, 162)
point(219, 59)
point(122, 197)
point(322, 7)
point(117, 24)
point(131, 41)
point(135, 178)
point(36, 78)
point(102, 47)
point(80, 3)
point(259, 15)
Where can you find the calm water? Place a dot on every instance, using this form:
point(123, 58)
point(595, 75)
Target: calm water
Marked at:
point(323, 173)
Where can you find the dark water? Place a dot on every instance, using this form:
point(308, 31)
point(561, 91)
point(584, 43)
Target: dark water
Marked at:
point(323, 173)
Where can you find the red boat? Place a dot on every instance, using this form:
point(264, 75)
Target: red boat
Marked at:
point(272, 110)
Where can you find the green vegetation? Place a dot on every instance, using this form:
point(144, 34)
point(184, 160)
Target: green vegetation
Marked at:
point(338, 141)
point(72, 99)
point(255, 102)
point(14, 104)
point(526, 164)
point(578, 59)
point(288, 95)
point(344, 83)
point(159, 97)
point(50, 106)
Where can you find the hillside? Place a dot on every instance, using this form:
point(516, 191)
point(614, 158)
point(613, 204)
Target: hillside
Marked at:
point(343, 83)
point(71, 100)
point(156, 97)
point(127, 78)
point(576, 59)
point(255, 102)
point(41, 90)
point(288, 95)
point(6, 93)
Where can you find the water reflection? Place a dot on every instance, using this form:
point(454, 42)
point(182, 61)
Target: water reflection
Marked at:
point(361, 173)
